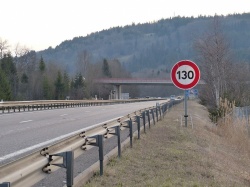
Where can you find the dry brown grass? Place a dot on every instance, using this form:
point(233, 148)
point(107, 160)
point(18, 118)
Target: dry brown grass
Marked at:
point(170, 155)
point(233, 130)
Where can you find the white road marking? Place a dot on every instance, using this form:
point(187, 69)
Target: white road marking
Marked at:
point(25, 121)
point(64, 115)
point(52, 140)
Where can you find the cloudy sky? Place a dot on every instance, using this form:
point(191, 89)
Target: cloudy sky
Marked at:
point(38, 24)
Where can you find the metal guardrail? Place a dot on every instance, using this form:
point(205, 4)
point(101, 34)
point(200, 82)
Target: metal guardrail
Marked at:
point(22, 106)
point(30, 169)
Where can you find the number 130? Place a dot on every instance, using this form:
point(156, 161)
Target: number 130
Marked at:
point(185, 74)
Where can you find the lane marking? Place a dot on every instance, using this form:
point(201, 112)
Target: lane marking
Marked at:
point(25, 121)
point(64, 115)
point(53, 140)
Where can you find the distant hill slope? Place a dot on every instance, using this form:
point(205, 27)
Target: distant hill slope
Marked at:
point(151, 45)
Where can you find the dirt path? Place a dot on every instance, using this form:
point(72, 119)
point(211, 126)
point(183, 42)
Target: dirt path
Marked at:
point(171, 155)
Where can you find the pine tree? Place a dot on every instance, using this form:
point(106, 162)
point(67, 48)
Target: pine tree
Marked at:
point(9, 69)
point(78, 86)
point(79, 81)
point(5, 91)
point(42, 65)
point(105, 69)
point(47, 89)
point(66, 82)
point(59, 90)
point(24, 78)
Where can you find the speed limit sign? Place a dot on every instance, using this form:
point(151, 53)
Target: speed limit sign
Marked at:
point(185, 74)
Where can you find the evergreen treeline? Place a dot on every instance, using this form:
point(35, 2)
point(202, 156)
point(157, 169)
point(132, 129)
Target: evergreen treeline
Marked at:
point(30, 78)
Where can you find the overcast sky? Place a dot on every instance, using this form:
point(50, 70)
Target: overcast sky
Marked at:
point(38, 24)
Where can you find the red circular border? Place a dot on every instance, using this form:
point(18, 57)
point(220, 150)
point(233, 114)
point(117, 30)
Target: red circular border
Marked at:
point(196, 70)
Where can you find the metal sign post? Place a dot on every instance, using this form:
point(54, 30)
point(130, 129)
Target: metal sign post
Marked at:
point(185, 106)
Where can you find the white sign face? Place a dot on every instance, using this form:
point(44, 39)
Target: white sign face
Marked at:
point(185, 74)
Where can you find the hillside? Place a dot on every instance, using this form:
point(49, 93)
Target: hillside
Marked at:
point(171, 155)
point(156, 45)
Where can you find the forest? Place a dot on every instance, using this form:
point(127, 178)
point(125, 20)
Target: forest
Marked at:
point(29, 78)
point(154, 45)
point(220, 45)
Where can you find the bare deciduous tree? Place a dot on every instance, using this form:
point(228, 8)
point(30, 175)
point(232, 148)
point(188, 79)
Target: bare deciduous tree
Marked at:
point(214, 55)
point(4, 46)
point(21, 55)
point(239, 87)
point(83, 61)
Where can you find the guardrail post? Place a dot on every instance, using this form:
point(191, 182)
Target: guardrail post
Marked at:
point(130, 126)
point(144, 121)
point(157, 118)
point(130, 132)
point(148, 118)
point(99, 143)
point(118, 134)
point(160, 111)
point(2, 109)
point(68, 164)
point(5, 184)
point(153, 116)
point(163, 109)
point(138, 119)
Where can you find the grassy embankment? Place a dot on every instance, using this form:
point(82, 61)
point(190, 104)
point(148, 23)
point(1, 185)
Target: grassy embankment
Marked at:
point(171, 155)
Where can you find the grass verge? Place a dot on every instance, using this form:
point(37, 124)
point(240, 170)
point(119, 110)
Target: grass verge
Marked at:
point(171, 155)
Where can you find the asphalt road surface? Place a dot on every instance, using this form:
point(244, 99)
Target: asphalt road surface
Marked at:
point(23, 132)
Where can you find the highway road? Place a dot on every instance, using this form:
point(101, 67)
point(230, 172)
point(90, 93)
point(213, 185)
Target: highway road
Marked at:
point(23, 132)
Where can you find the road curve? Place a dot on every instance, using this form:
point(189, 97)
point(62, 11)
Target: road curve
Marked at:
point(23, 132)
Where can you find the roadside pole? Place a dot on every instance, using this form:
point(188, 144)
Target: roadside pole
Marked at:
point(185, 106)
